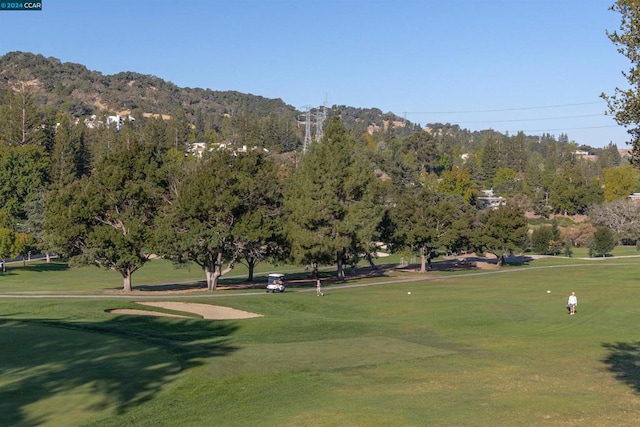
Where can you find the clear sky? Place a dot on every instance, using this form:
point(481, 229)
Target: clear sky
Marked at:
point(509, 65)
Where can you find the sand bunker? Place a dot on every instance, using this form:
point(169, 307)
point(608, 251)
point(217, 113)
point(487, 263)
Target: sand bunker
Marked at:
point(135, 312)
point(207, 311)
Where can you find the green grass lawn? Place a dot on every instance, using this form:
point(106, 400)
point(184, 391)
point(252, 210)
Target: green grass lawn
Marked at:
point(471, 348)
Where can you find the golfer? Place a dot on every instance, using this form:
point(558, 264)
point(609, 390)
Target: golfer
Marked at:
point(572, 303)
point(319, 288)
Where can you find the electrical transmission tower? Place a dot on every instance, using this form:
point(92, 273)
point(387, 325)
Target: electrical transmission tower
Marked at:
point(307, 128)
point(321, 116)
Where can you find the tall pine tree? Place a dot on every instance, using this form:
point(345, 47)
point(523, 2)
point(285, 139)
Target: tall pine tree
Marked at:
point(332, 203)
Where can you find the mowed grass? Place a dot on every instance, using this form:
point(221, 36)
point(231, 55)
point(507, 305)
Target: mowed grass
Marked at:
point(477, 348)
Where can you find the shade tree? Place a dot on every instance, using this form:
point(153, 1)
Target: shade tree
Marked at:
point(258, 232)
point(226, 207)
point(106, 219)
point(500, 231)
point(427, 221)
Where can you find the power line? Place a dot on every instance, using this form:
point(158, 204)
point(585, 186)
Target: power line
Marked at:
point(564, 129)
point(533, 120)
point(505, 109)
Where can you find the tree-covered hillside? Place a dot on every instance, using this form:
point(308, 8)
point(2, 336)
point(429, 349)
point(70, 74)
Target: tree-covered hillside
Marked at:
point(75, 89)
point(72, 88)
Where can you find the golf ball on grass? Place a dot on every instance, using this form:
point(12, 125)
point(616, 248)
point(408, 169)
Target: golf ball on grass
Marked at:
point(548, 292)
point(408, 293)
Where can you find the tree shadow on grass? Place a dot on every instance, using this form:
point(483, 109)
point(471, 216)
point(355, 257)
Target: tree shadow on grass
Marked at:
point(34, 267)
point(118, 363)
point(624, 362)
point(46, 267)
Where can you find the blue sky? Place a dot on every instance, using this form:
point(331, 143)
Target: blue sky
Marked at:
point(509, 65)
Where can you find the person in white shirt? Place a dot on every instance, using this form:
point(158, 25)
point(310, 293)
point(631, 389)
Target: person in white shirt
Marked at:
point(572, 303)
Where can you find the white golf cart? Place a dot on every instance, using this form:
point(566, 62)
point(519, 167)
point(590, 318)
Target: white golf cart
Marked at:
point(275, 283)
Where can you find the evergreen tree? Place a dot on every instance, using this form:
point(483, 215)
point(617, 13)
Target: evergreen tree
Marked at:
point(603, 242)
point(333, 204)
point(24, 171)
point(490, 158)
point(179, 132)
point(609, 157)
point(156, 133)
point(24, 120)
point(428, 221)
point(500, 231)
point(206, 204)
point(624, 104)
point(541, 238)
point(70, 158)
point(258, 232)
point(111, 222)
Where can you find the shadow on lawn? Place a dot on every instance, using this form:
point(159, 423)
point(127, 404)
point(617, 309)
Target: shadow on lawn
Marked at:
point(35, 267)
point(96, 363)
point(302, 280)
point(624, 361)
point(299, 280)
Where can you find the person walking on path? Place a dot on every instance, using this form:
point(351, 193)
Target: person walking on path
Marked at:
point(572, 303)
point(319, 288)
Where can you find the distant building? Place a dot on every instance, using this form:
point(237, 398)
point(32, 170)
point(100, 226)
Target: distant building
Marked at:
point(117, 120)
point(490, 201)
point(585, 155)
point(198, 148)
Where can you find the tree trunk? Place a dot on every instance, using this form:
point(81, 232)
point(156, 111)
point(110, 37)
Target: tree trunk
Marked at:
point(339, 262)
point(214, 271)
point(251, 265)
point(212, 279)
point(48, 256)
point(423, 260)
point(371, 264)
point(126, 279)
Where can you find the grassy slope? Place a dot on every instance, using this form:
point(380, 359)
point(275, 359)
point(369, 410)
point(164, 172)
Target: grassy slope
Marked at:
point(490, 349)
